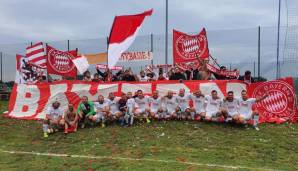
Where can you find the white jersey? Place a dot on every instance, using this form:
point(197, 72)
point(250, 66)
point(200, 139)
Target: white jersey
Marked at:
point(155, 104)
point(198, 103)
point(231, 107)
point(142, 103)
point(245, 107)
point(171, 104)
point(131, 103)
point(183, 102)
point(54, 113)
point(100, 106)
point(113, 104)
point(212, 105)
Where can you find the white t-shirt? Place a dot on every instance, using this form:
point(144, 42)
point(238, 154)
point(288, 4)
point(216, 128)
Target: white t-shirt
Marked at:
point(198, 103)
point(231, 107)
point(113, 104)
point(212, 105)
point(143, 79)
point(245, 107)
point(171, 104)
point(183, 102)
point(155, 104)
point(142, 103)
point(54, 113)
point(100, 107)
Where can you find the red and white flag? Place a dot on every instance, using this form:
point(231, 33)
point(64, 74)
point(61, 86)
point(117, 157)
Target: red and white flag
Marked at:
point(35, 54)
point(187, 47)
point(60, 63)
point(124, 31)
point(81, 63)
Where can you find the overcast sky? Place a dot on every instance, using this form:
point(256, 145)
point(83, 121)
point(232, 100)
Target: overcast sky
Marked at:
point(51, 20)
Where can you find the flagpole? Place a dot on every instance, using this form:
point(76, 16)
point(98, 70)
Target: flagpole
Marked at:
point(277, 53)
point(166, 41)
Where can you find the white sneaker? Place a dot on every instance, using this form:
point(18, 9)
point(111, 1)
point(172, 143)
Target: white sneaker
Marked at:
point(257, 128)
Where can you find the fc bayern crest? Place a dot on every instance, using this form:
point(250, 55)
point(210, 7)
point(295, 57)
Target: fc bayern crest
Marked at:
point(60, 61)
point(281, 100)
point(188, 47)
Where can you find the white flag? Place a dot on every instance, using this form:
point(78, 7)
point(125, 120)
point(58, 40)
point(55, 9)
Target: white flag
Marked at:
point(81, 63)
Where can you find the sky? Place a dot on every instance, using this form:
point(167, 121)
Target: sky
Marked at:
point(34, 20)
point(231, 27)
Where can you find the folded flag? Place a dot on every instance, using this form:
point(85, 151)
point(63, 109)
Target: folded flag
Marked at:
point(124, 31)
point(81, 63)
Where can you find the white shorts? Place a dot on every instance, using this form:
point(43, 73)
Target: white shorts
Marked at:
point(162, 115)
point(246, 116)
point(198, 111)
point(211, 114)
point(99, 117)
point(153, 110)
point(114, 112)
point(170, 111)
point(233, 114)
point(140, 111)
point(183, 108)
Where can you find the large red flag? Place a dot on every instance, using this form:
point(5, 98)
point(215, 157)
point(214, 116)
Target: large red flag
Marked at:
point(187, 47)
point(280, 105)
point(60, 63)
point(123, 33)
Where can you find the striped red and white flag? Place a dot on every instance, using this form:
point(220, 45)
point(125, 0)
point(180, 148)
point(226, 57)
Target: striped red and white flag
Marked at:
point(36, 55)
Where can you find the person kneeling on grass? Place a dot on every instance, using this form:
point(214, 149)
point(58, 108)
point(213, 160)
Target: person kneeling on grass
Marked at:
point(198, 109)
point(54, 119)
point(114, 114)
point(213, 108)
point(85, 111)
point(130, 109)
point(142, 102)
point(157, 107)
point(230, 108)
point(183, 109)
point(102, 111)
point(246, 111)
point(71, 119)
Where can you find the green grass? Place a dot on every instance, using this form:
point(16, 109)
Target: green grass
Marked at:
point(274, 147)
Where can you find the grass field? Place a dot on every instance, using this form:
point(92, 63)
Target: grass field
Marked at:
point(155, 146)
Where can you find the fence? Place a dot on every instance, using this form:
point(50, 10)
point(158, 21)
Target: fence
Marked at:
point(234, 48)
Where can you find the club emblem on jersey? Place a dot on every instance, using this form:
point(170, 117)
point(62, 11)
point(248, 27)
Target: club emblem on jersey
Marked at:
point(60, 61)
point(280, 101)
point(189, 46)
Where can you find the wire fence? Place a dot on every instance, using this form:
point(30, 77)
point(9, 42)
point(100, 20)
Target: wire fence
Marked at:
point(234, 48)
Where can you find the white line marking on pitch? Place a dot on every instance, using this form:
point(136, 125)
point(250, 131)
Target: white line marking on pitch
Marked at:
point(134, 159)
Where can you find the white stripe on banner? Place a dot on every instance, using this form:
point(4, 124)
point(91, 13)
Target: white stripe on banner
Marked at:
point(40, 62)
point(139, 159)
point(34, 48)
point(36, 56)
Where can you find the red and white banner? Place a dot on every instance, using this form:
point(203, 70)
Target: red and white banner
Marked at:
point(187, 47)
point(36, 55)
point(103, 66)
point(136, 56)
point(123, 33)
point(226, 73)
point(31, 101)
point(60, 63)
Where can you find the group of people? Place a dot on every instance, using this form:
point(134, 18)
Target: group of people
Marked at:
point(130, 107)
